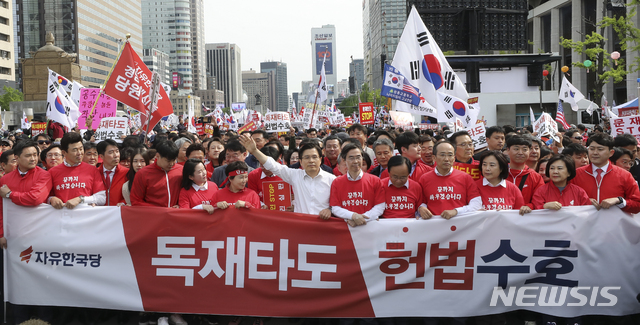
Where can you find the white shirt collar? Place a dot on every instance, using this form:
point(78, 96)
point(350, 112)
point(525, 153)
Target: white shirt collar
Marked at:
point(438, 172)
point(502, 183)
point(68, 164)
point(200, 188)
point(604, 168)
point(21, 173)
point(405, 184)
point(265, 175)
point(111, 170)
point(357, 178)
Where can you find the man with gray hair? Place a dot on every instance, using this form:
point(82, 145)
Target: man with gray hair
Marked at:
point(383, 149)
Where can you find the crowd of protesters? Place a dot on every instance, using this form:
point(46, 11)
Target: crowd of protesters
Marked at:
point(356, 174)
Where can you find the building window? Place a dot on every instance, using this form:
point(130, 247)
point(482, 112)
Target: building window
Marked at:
point(6, 71)
point(5, 54)
point(4, 21)
point(4, 37)
point(4, 4)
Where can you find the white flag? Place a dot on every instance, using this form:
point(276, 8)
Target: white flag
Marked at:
point(75, 92)
point(191, 127)
point(532, 116)
point(25, 121)
point(322, 91)
point(419, 58)
point(60, 107)
point(451, 108)
point(570, 94)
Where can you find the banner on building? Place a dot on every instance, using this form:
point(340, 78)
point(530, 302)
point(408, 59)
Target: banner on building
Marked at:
point(171, 260)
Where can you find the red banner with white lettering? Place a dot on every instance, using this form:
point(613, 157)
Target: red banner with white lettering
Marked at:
point(130, 84)
point(366, 113)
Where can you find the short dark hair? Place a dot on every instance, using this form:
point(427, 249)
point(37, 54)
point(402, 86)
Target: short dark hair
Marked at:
point(309, 146)
point(383, 132)
point(43, 154)
point(602, 139)
point(398, 161)
point(236, 165)
point(619, 152)
point(366, 160)
point(309, 130)
point(331, 137)
point(102, 146)
point(625, 139)
point(356, 127)
point(21, 145)
point(503, 162)
point(43, 135)
point(90, 145)
point(348, 147)
point(518, 140)
point(458, 134)
point(570, 132)
point(435, 148)
point(405, 139)
point(278, 145)
point(235, 145)
point(69, 138)
point(167, 150)
point(352, 140)
point(263, 132)
point(271, 152)
point(426, 138)
point(188, 170)
point(4, 158)
point(195, 147)
point(568, 161)
point(573, 149)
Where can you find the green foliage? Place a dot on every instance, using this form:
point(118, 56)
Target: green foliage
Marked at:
point(10, 95)
point(350, 104)
point(594, 48)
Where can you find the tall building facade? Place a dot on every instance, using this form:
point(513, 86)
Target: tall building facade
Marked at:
point(166, 26)
point(92, 29)
point(551, 20)
point(7, 49)
point(323, 44)
point(356, 71)
point(199, 67)
point(260, 85)
point(382, 22)
point(280, 102)
point(224, 63)
point(158, 61)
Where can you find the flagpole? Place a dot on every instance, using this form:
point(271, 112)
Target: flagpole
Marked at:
point(109, 75)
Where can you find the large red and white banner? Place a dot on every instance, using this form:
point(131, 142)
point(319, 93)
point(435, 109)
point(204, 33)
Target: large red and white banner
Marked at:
point(575, 261)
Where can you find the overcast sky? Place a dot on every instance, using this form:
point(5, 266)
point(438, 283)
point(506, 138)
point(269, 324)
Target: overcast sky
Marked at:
point(280, 30)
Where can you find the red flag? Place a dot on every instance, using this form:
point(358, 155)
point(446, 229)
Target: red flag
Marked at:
point(130, 84)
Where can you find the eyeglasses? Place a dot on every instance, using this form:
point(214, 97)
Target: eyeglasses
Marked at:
point(44, 142)
point(466, 144)
point(578, 138)
point(54, 155)
point(310, 157)
point(6, 145)
point(354, 158)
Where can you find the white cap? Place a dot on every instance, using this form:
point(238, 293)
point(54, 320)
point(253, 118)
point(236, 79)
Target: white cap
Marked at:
point(19, 131)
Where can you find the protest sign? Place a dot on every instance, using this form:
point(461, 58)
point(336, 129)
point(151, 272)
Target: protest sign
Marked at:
point(277, 195)
point(38, 128)
point(112, 128)
point(401, 119)
point(277, 122)
point(626, 124)
point(106, 107)
point(366, 113)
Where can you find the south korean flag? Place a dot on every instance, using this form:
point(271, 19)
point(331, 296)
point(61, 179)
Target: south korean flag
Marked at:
point(451, 108)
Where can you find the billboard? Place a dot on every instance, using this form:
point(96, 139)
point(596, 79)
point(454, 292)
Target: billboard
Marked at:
point(176, 80)
point(323, 49)
point(237, 107)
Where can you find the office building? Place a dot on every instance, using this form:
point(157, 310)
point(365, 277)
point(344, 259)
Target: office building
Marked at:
point(224, 64)
point(323, 47)
point(260, 89)
point(356, 71)
point(280, 102)
point(158, 61)
point(198, 65)
point(92, 29)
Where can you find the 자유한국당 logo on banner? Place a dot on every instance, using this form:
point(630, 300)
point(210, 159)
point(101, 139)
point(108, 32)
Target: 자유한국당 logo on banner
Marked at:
point(61, 258)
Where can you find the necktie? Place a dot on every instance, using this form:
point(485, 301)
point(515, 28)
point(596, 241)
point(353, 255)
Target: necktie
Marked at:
point(598, 176)
point(107, 179)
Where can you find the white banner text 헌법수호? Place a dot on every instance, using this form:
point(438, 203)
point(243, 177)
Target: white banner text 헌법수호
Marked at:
point(571, 262)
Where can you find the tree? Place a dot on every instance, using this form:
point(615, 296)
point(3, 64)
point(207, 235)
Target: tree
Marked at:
point(350, 104)
point(594, 47)
point(10, 95)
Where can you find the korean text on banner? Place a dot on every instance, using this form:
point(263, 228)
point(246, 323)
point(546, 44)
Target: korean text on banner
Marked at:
point(277, 122)
point(478, 135)
point(106, 107)
point(403, 119)
point(366, 113)
point(277, 195)
point(112, 128)
point(626, 124)
point(251, 126)
point(171, 260)
point(38, 128)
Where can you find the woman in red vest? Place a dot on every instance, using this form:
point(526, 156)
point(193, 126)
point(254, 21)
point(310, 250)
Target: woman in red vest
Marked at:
point(559, 192)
